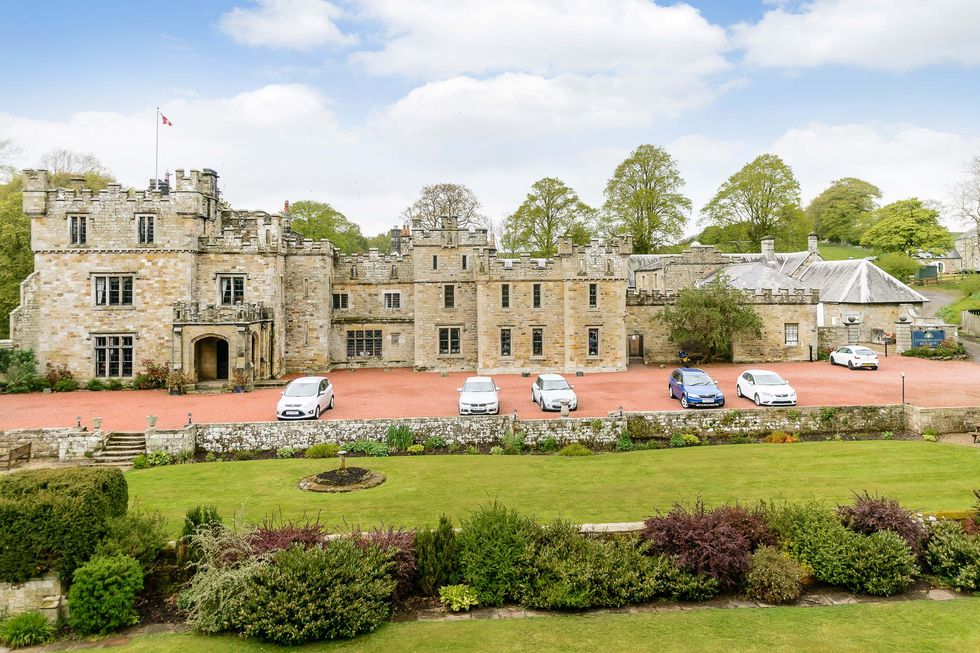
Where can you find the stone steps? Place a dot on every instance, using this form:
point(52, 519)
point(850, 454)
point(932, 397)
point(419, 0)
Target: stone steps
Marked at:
point(120, 449)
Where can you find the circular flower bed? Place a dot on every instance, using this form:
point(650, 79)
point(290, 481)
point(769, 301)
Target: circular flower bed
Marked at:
point(346, 479)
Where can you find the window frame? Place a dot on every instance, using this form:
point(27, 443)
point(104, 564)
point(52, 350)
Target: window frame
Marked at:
point(505, 295)
point(506, 343)
point(340, 301)
point(536, 295)
point(598, 340)
point(232, 278)
point(795, 328)
point(107, 291)
point(364, 343)
point(120, 362)
point(449, 334)
point(539, 333)
point(146, 229)
point(465, 262)
point(593, 295)
point(449, 295)
point(395, 297)
point(78, 229)
point(435, 261)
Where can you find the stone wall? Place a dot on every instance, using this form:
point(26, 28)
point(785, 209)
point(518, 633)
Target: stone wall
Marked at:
point(944, 420)
point(61, 443)
point(42, 594)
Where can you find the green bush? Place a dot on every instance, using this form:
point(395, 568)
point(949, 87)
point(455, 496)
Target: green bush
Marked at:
point(575, 449)
point(103, 594)
point(434, 442)
point(325, 450)
point(285, 452)
point(946, 349)
point(21, 369)
point(954, 555)
point(95, 385)
point(638, 427)
point(399, 437)
point(774, 577)
point(624, 442)
point(415, 449)
point(26, 629)
point(930, 435)
point(491, 546)
point(473, 451)
point(52, 519)
point(369, 448)
point(65, 385)
point(144, 382)
point(436, 557)
point(245, 454)
point(881, 564)
point(115, 384)
point(198, 517)
point(137, 534)
point(513, 444)
point(9, 357)
point(560, 569)
point(496, 451)
point(159, 458)
point(684, 440)
point(548, 444)
point(458, 598)
point(141, 461)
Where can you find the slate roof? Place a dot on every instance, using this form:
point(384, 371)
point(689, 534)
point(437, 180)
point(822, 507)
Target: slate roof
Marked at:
point(754, 276)
point(642, 263)
point(857, 281)
point(788, 262)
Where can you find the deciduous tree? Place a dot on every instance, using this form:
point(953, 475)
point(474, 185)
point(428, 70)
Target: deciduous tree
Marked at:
point(757, 195)
point(708, 318)
point(446, 200)
point(644, 199)
point(898, 264)
point(319, 220)
point(550, 210)
point(907, 226)
point(966, 195)
point(841, 213)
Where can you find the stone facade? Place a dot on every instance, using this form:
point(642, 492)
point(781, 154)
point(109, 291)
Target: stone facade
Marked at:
point(43, 594)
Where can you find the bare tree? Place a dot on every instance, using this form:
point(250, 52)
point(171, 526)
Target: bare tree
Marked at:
point(446, 200)
point(966, 195)
point(8, 151)
point(63, 161)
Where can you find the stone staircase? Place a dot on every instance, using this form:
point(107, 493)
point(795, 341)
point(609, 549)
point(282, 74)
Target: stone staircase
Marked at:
point(120, 449)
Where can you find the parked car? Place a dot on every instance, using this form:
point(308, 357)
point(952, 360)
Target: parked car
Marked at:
point(765, 388)
point(694, 388)
point(478, 396)
point(854, 357)
point(549, 390)
point(305, 398)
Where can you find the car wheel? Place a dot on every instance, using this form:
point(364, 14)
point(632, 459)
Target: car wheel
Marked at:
point(670, 392)
point(684, 403)
point(874, 368)
point(541, 403)
point(832, 360)
point(330, 405)
point(533, 400)
point(738, 390)
point(756, 400)
point(316, 413)
point(850, 365)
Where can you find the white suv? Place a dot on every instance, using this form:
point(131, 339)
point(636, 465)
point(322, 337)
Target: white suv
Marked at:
point(549, 390)
point(478, 396)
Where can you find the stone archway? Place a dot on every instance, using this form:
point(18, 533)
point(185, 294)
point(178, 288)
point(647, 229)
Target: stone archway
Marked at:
point(211, 358)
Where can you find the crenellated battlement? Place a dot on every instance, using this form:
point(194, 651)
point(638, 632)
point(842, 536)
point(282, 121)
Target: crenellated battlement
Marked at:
point(373, 268)
point(758, 296)
point(449, 237)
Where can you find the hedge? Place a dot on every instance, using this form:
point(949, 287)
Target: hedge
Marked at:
point(52, 519)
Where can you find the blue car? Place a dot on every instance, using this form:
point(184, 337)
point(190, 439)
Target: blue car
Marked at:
point(694, 388)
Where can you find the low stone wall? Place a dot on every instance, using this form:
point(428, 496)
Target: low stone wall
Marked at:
point(944, 420)
point(173, 441)
point(42, 594)
point(60, 443)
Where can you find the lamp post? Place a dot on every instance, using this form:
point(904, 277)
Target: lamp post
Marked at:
point(903, 388)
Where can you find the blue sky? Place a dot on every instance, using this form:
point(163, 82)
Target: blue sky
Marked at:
point(361, 102)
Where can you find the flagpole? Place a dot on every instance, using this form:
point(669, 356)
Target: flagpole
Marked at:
point(156, 153)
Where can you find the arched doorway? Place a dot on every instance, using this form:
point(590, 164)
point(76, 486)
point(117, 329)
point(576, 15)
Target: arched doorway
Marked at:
point(211, 359)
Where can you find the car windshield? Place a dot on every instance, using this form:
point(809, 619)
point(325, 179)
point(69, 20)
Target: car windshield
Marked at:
point(478, 386)
point(769, 379)
point(697, 379)
point(305, 389)
point(861, 351)
point(558, 384)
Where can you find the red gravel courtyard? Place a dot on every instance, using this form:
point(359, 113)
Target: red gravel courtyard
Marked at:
point(375, 393)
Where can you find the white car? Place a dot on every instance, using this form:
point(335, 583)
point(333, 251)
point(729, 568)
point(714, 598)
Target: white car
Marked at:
point(478, 396)
point(765, 388)
point(854, 357)
point(549, 390)
point(305, 398)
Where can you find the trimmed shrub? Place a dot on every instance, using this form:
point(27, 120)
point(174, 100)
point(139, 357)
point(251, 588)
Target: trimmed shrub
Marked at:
point(774, 577)
point(954, 555)
point(103, 594)
point(458, 598)
point(399, 437)
point(26, 629)
point(714, 543)
point(415, 449)
point(399, 545)
point(491, 546)
point(303, 596)
point(138, 534)
point(52, 519)
point(325, 450)
point(881, 564)
point(874, 514)
point(436, 557)
point(434, 442)
point(624, 442)
point(575, 449)
point(548, 444)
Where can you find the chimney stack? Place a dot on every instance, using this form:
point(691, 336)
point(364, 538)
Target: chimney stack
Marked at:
point(769, 247)
point(396, 240)
point(811, 243)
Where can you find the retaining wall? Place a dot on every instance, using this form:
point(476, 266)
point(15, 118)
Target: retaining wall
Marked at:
point(42, 594)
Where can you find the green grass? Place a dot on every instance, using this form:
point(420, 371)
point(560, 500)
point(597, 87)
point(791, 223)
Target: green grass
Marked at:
point(909, 626)
point(837, 251)
point(952, 313)
point(602, 488)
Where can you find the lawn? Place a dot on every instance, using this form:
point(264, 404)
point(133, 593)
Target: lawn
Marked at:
point(837, 251)
point(600, 488)
point(910, 626)
point(953, 312)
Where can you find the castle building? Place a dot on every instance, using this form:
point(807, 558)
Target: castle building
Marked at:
point(125, 277)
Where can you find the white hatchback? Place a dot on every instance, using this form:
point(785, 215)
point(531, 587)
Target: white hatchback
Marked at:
point(549, 390)
point(478, 396)
point(854, 357)
point(765, 388)
point(305, 398)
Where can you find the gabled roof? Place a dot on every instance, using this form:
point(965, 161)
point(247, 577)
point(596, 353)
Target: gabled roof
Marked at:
point(755, 276)
point(787, 262)
point(857, 282)
point(642, 263)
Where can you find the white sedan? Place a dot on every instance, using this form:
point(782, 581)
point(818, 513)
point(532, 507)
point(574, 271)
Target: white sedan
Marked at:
point(854, 357)
point(478, 396)
point(765, 388)
point(549, 390)
point(305, 398)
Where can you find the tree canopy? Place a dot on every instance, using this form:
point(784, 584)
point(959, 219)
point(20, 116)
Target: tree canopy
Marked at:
point(708, 318)
point(966, 195)
point(437, 201)
point(842, 212)
point(907, 226)
point(62, 165)
point(643, 199)
point(319, 220)
point(757, 196)
point(898, 264)
point(550, 210)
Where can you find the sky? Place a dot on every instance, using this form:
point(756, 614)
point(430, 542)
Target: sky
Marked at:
point(360, 103)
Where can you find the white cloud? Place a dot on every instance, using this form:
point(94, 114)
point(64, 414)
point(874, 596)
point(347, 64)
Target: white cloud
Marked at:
point(289, 24)
point(879, 34)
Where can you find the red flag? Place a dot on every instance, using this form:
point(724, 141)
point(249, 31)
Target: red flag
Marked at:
point(165, 121)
